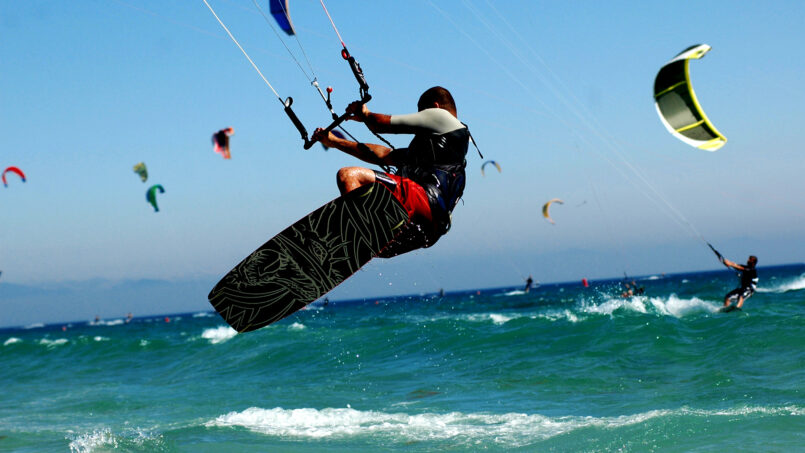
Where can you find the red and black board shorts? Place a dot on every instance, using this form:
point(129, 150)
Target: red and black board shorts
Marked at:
point(410, 194)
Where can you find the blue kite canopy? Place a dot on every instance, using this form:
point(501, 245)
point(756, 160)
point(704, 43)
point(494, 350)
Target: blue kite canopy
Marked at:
point(279, 9)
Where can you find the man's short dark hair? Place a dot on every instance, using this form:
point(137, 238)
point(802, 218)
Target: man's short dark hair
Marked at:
point(437, 94)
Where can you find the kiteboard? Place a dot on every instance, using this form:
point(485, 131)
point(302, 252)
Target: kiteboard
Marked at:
point(309, 258)
point(732, 306)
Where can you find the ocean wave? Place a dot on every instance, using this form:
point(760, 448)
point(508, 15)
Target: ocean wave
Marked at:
point(88, 442)
point(794, 284)
point(113, 322)
point(678, 307)
point(516, 292)
point(501, 318)
point(37, 325)
point(104, 440)
point(52, 343)
point(218, 334)
point(12, 340)
point(584, 309)
point(495, 318)
point(511, 429)
point(203, 314)
point(669, 306)
point(560, 315)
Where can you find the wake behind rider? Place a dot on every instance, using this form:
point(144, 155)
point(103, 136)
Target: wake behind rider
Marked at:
point(430, 175)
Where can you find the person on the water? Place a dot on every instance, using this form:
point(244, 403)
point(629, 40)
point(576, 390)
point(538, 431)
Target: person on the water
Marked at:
point(748, 274)
point(430, 176)
point(528, 283)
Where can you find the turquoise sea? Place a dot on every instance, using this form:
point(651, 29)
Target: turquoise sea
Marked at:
point(561, 368)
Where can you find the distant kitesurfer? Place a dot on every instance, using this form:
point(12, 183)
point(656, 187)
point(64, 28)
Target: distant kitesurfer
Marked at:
point(633, 290)
point(748, 275)
point(528, 282)
point(430, 176)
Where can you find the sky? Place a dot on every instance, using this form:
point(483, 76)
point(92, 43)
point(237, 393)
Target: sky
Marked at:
point(558, 93)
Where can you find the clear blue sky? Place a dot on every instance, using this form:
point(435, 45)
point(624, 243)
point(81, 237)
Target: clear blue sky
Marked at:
point(559, 93)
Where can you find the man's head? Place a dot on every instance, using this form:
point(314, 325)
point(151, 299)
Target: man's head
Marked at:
point(752, 261)
point(437, 97)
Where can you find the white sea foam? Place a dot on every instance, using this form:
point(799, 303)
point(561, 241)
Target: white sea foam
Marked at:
point(101, 338)
point(93, 441)
point(203, 314)
point(500, 319)
point(297, 326)
point(495, 318)
point(106, 440)
point(35, 325)
point(219, 334)
point(12, 340)
point(558, 315)
point(610, 305)
point(517, 292)
point(52, 343)
point(677, 307)
point(792, 284)
point(113, 322)
point(511, 429)
point(670, 306)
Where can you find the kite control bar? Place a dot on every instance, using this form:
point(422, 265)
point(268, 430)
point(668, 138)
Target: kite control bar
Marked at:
point(363, 89)
point(295, 120)
point(720, 257)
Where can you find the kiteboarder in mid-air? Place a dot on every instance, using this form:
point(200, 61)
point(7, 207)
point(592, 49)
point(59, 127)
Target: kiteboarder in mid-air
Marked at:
point(430, 176)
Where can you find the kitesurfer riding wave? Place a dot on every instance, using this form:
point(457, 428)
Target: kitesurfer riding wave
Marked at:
point(748, 274)
point(430, 174)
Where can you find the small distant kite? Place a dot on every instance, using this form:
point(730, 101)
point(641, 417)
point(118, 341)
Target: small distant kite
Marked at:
point(220, 141)
point(497, 165)
point(337, 134)
point(13, 170)
point(279, 9)
point(151, 195)
point(677, 105)
point(547, 206)
point(142, 171)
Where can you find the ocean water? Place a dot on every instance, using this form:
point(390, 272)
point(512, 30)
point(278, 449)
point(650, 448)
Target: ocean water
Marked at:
point(562, 368)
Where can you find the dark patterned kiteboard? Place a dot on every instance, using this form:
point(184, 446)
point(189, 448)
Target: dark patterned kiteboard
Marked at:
point(309, 258)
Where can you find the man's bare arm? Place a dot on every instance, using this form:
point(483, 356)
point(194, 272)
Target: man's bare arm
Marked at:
point(367, 152)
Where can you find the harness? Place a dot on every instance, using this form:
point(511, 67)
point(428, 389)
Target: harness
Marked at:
point(437, 163)
point(749, 278)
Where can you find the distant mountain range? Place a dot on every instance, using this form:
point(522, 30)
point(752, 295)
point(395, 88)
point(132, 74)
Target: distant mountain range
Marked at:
point(22, 305)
